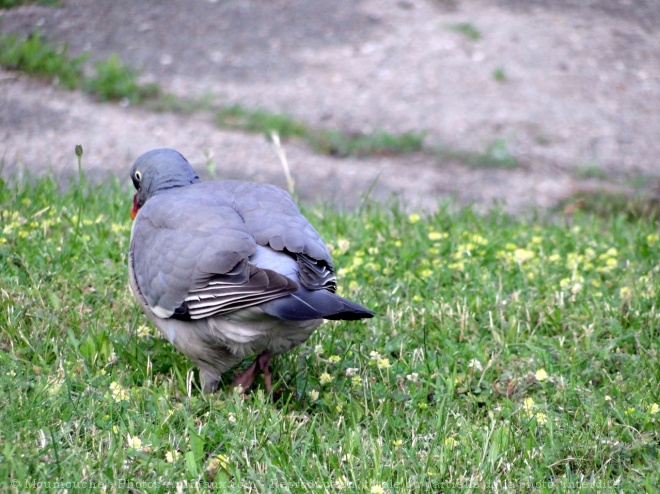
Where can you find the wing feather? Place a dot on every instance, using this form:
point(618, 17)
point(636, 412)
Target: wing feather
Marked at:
point(191, 247)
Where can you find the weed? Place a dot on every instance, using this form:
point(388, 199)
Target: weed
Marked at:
point(591, 171)
point(167, 102)
point(496, 155)
point(466, 29)
point(609, 204)
point(34, 56)
point(114, 80)
point(238, 117)
point(326, 141)
point(8, 4)
point(499, 74)
point(339, 143)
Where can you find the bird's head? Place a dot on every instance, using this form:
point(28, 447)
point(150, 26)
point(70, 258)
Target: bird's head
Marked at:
point(157, 171)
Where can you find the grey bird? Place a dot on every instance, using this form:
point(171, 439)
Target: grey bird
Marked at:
point(227, 269)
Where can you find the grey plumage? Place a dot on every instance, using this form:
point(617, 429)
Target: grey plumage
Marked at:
point(227, 269)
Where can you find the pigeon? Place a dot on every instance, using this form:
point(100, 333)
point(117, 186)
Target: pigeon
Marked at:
point(228, 269)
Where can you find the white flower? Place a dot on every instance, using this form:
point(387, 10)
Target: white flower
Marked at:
point(475, 364)
point(352, 371)
point(414, 377)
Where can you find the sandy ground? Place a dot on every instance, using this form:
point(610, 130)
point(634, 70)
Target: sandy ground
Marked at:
point(580, 97)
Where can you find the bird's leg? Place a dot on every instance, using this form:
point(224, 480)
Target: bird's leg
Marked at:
point(246, 378)
point(209, 378)
point(263, 361)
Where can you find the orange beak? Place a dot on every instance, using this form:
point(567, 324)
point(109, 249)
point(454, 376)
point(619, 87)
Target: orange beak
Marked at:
point(136, 207)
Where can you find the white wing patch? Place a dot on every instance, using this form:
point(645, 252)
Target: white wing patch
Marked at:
point(267, 258)
point(162, 313)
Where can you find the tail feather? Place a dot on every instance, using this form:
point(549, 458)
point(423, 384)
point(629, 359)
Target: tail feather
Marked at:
point(304, 305)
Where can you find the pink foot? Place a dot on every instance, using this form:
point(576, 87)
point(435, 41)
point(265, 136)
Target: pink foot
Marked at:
point(246, 378)
point(263, 361)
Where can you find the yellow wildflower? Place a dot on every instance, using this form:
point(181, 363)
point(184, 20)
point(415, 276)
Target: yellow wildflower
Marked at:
point(450, 442)
point(343, 245)
point(436, 235)
point(325, 378)
point(458, 265)
point(118, 392)
point(541, 418)
point(541, 375)
point(134, 442)
point(172, 456)
point(554, 258)
point(522, 255)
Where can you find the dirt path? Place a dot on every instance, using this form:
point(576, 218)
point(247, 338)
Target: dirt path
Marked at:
point(571, 91)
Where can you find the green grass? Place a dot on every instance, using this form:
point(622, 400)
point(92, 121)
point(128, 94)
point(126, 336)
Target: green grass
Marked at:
point(591, 171)
point(34, 56)
point(8, 4)
point(634, 206)
point(333, 142)
point(506, 352)
point(259, 121)
point(112, 79)
point(339, 143)
point(495, 155)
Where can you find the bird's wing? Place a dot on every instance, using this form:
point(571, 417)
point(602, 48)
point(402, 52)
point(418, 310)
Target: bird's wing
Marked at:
point(273, 219)
point(190, 253)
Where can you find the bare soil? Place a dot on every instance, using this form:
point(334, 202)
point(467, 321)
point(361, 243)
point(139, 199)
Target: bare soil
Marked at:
point(577, 100)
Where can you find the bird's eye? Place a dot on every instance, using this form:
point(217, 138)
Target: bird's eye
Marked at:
point(138, 175)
